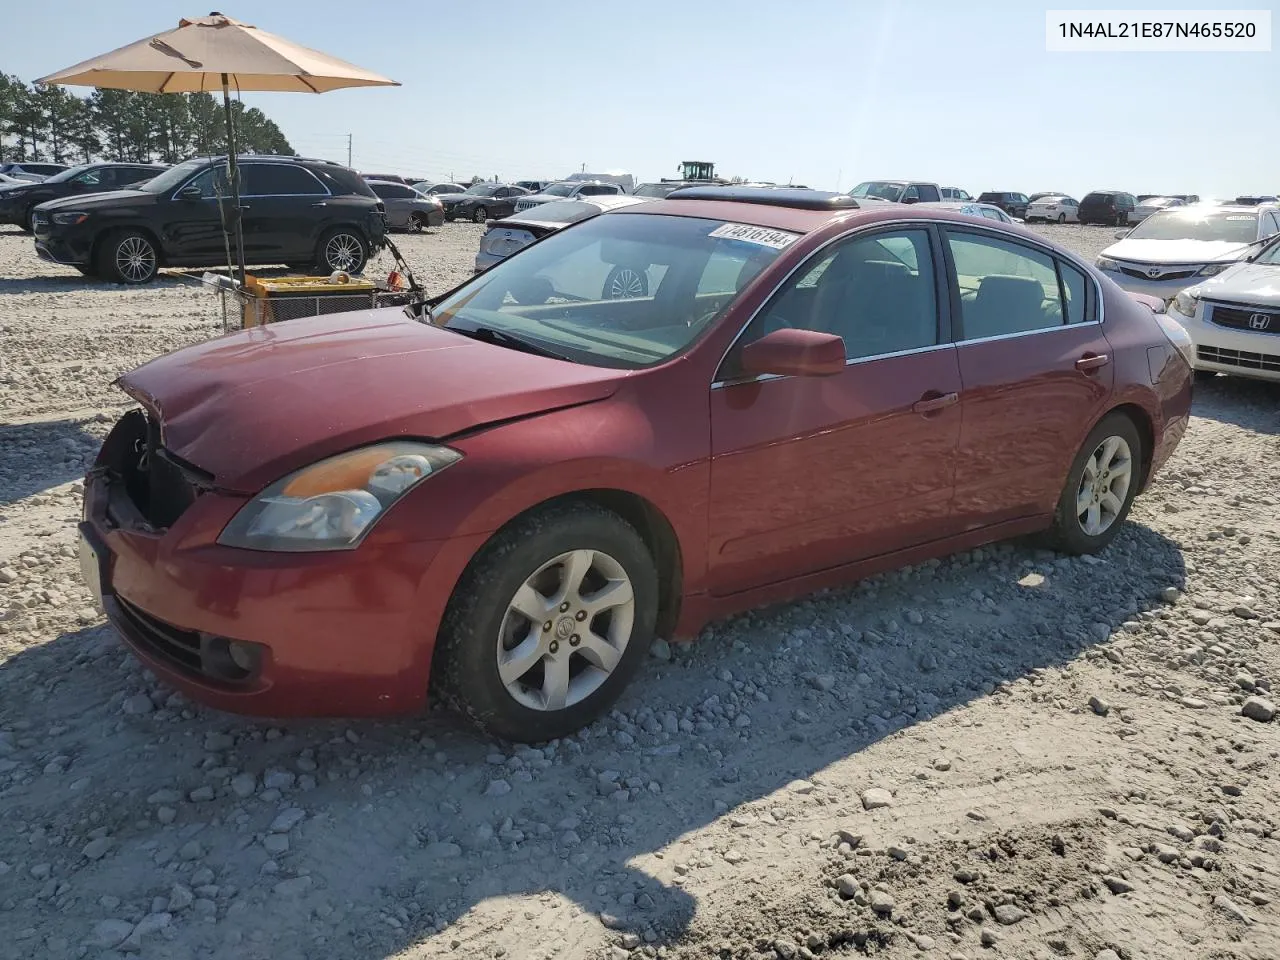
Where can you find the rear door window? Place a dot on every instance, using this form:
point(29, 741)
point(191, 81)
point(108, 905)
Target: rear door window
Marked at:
point(1005, 287)
point(278, 180)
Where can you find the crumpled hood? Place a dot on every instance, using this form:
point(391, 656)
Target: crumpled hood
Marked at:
point(1175, 251)
point(253, 406)
point(1254, 284)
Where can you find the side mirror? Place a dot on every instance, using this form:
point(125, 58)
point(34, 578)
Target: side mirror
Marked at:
point(910, 199)
point(1121, 234)
point(795, 353)
point(190, 193)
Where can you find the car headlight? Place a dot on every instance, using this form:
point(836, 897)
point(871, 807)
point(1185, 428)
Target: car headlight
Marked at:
point(1213, 269)
point(332, 504)
point(1185, 303)
point(1106, 263)
point(70, 218)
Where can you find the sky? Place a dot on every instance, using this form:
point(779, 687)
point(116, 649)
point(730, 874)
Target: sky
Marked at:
point(817, 92)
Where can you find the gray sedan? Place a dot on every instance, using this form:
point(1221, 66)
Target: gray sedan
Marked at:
point(406, 208)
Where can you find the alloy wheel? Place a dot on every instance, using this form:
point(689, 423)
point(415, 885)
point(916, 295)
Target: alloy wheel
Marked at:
point(417, 223)
point(1104, 486)
point(135, 259)
point(343, 252)
point(565, 630)
point(626, 284)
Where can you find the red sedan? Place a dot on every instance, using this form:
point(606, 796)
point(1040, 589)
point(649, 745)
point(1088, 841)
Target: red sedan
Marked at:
point(505, 499)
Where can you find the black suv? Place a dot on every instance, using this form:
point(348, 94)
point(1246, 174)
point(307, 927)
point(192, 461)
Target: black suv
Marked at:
point(302, 213)
point(1110, 207)
point(18, 204)
point(1010, 201)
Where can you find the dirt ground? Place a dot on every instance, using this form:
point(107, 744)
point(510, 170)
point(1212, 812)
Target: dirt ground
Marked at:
point(1007, 753)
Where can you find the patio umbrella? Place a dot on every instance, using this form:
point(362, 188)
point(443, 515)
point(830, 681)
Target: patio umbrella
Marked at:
point(206, 53)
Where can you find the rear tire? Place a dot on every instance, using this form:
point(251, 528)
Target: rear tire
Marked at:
point(577, 661)
point(342, 248)
point(128, 257)
point(1103, 480)
point(1062, 218)
point(418, 223)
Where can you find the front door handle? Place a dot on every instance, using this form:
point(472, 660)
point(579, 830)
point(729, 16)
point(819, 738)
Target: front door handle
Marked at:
point(319, 203)
point(1092, 361)
point(928, 404)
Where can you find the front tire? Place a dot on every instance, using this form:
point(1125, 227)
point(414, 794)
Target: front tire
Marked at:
point(480, 215)
point(128, 257)
point(548, 623)
point(29, 221)
point(342, 249)
point(1103, 480)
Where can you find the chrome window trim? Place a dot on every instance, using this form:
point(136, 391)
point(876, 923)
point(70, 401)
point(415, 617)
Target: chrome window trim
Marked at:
point(258, 196)
point(977, 227)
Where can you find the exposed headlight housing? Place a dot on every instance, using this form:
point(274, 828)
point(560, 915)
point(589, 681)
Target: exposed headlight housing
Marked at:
point(1185, 303)
point(332, 504)
point(1213, 269)
point(1106, 263)
point(70, 218)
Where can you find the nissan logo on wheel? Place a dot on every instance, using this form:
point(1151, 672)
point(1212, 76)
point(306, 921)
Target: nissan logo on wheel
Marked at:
point(1259, 321)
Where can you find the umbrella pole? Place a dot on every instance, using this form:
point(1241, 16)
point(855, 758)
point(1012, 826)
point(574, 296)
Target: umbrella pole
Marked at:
point(238, 231)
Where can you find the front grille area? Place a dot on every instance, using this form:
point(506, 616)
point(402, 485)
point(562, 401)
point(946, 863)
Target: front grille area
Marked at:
point(1142, 274)
point(1238, 318)
point(1246, 359)
point(159, 486)
point(198, 655)
point(180, 648)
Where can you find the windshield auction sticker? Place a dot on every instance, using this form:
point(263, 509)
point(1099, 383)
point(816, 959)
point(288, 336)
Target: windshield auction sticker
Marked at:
point(762, 236)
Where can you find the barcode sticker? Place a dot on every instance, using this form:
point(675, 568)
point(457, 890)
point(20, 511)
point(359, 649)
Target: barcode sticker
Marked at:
point(763, 236)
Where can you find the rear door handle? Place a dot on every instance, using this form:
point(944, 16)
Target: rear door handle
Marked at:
point(928, 404)
point(1092, 361)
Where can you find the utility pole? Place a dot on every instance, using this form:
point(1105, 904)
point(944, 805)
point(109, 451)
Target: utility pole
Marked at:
point(348, 149)
point(584, 168)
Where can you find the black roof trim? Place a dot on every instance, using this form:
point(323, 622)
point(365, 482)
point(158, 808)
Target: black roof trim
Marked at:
point(770, 196)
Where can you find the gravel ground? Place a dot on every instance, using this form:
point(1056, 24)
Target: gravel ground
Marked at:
point(1005, 753)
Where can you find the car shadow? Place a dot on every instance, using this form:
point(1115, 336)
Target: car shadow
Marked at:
point(411, 825)
point(1252, 404)
point(37, 456)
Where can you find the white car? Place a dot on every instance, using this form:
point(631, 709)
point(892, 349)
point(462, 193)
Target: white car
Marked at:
point(1176, 249)
point(972, 208)
point(1154, 205)
point(504, 237)
point(1054, 209)
point(1234, 318)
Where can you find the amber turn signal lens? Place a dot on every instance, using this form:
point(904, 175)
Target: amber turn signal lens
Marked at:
point(350, 472)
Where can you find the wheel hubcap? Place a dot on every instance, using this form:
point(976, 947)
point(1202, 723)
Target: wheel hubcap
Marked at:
point(135, 259)
point(342, 252)
point(1104, 486)
point(565, 630)
point(626, 284)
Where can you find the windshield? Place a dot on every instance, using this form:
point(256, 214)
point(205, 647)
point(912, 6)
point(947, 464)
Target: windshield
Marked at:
point(620, 290)
point(562, 211)
point(1270, 255)
point(658, 190)
point(66, 175)
point(878, 189)
point(560, 189)
point(172, 178)
point(483, 189)
point(1198, 225)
